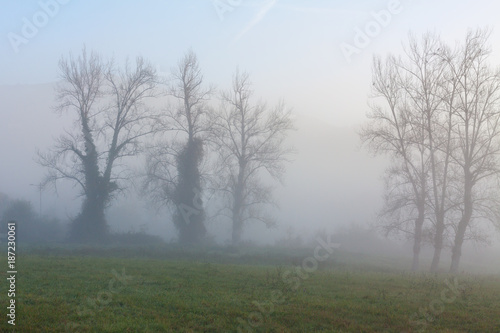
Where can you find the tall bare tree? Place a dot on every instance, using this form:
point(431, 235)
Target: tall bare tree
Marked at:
point(395, 130)
point(249, 139)
point(110, 121)
point(429, 90)
point(441, 125)
point(476, 114)
point(174, 177)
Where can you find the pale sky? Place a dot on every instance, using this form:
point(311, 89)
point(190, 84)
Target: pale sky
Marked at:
point(291, 48)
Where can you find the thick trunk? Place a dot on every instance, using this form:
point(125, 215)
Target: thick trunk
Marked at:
point(90, 225)
point(190, 216)
point(237, 231)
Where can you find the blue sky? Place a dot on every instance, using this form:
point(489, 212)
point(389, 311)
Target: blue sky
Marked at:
point(290, 47)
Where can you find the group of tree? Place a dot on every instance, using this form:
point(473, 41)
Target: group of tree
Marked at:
point(30, 226)
point(436, 112)
point(203, 141)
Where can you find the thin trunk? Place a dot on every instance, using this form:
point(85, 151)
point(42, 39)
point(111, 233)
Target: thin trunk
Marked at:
point(438, 242)
point(462, 225)
point(239, 190)
point(440, 210)
point(238, 207)
point(417, 241)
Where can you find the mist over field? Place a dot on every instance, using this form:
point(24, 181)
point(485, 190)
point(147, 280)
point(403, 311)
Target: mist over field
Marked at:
point(328, 184)
point(250, 166)
point(325, 184)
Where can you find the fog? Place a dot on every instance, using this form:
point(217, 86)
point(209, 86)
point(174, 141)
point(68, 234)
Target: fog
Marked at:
point(250, 165)
point(293, 52)
point(332, 185)
point(325, 185)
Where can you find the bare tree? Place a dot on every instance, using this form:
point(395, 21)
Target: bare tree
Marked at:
point(395, 130)
point(111, 120)
point(249, 139)
point(429, 89)
point(173, 167)
point(476, 114)
point(441, 126)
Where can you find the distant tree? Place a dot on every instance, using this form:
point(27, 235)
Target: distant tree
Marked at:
point(174, 177)
point(428, 89)
point(476, 131)
point(441, 125)
point(20, 211)
point(249, 140)
point(111, 120)
point(30, 227)
point(4, 202)
point(395, 131)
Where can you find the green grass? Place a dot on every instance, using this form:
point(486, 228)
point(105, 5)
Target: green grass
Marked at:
point(76, 289)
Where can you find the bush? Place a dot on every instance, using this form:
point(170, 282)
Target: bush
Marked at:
point(31, 228)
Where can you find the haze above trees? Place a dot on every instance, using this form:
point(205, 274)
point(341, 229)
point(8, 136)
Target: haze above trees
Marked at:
point(217, 153)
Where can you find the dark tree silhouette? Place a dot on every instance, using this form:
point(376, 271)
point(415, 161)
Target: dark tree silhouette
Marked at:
point(189, 216)
point(174, 178)
point(111, 119)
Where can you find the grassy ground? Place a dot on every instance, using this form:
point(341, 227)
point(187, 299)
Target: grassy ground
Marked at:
point(169, 290)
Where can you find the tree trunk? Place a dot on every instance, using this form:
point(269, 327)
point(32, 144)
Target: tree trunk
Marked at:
point(189, 216)
point(417, 241)
point(438, 241)
point(90, 225)
point(237, 231)
point(462, 225)
point(457, 246)
point(237, 218)
point(238, 207)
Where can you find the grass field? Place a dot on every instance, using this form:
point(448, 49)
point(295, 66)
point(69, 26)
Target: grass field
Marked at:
point(201, 290)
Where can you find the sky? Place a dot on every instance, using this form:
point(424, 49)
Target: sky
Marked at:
point(315, 55)
point(293, 49)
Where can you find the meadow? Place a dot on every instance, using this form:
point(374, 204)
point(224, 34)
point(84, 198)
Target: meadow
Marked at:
point(175, 289)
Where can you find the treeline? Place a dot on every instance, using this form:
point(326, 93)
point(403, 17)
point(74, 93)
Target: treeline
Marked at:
point(31, 227)
point(436, 113)
point(205, 142)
